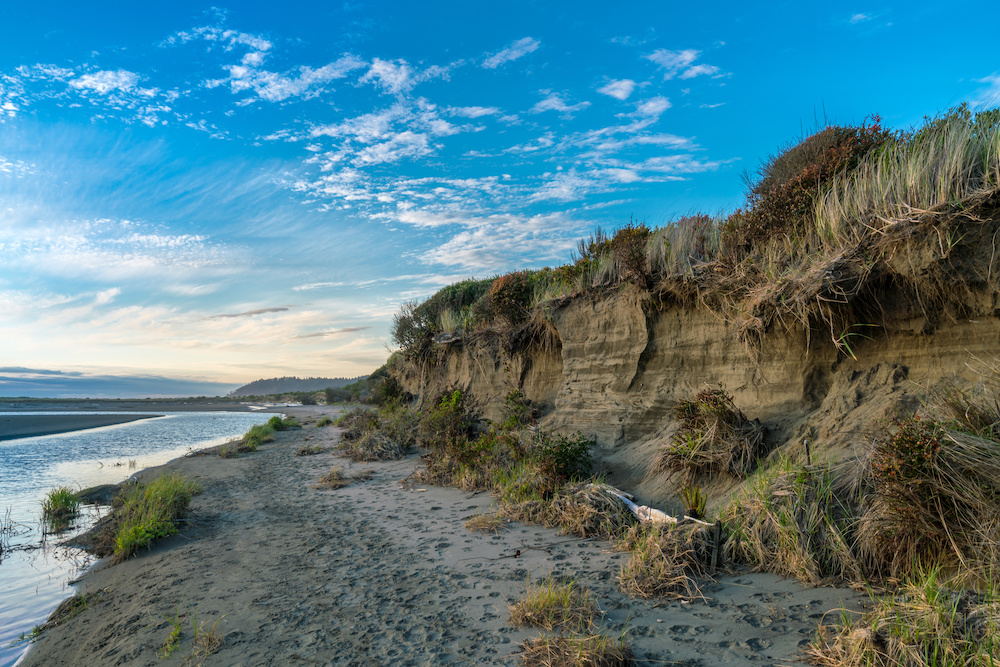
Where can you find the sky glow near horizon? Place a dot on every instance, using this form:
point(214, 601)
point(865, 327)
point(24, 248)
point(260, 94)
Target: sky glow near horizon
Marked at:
point(215, 194)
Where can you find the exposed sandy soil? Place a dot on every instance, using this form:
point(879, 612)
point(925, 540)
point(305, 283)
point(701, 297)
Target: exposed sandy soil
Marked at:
point(29, 425)
point(380, 573)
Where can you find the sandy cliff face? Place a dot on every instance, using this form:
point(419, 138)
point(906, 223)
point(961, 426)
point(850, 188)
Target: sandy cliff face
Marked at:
point(614, 366)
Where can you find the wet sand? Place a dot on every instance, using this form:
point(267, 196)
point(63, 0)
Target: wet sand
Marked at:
point(383, 573)
point(29, 425)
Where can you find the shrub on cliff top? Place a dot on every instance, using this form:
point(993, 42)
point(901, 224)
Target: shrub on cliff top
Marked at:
point(782, 198)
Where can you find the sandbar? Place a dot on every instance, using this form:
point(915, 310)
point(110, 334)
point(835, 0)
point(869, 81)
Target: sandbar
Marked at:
point(28, 425)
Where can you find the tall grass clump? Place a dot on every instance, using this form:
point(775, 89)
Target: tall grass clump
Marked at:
point(952, 159)
point(930, 496)
point(795, 522)
point(145, 511)
point(714, 436)
point(59, 506)
point(572, 611)
point(668, 561)
point(926, 623)
point(553, 605)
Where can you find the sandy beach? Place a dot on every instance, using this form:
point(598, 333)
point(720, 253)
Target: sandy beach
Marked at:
point(384, 573)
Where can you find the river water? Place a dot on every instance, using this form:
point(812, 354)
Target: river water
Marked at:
point(34, 570)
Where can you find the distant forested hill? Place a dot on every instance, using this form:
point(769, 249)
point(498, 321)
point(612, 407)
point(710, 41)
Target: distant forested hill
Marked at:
point(290, 384)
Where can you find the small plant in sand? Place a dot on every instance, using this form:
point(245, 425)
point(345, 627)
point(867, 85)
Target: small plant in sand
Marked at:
point(283, 424)
point(485, 523)
point(146, 511)
point(924, 623)
point(597, 650)
point(310, 450)
point(694, 501)
point(335, 479)
point(714, 436)
point(173, 640)
point(552, 605)
point(323, 421)
point(667, 561)
point(59, 506)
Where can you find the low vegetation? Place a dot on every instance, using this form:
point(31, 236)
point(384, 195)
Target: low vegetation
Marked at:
point(668, 561)
point(146, 511)
point(552, 605)
point(573, 612)
point(59, 507)
point(714, 436)
point(485, 523)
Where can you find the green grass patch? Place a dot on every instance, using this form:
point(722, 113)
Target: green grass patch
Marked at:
point(146, 511)
point(59, 507)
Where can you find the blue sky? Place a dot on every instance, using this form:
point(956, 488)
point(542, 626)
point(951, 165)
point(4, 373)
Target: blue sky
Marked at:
point(217, 193)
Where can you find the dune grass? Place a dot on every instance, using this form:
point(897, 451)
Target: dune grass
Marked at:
point(553, 605)
point(926, 623)
point(146, 511)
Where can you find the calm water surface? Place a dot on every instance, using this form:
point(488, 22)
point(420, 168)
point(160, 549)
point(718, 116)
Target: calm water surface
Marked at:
point(35, 572)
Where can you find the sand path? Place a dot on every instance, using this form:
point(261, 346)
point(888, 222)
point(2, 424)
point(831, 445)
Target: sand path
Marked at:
point(378, 573)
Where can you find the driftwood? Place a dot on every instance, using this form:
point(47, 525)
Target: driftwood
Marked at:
point(642, 512)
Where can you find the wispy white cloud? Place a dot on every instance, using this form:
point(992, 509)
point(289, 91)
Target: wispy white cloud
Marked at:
point(653, 107)
point(473, 112)
point(270, 86)
point(107, 81)
point(619, 89)
point(860, 18)
point(515, 50)
point(554, 102)
point(394, 77)
point(681, 64)
point(494, 243)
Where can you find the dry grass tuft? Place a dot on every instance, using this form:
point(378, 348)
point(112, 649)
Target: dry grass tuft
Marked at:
point(597, 650)
point(792, 521)
point(714, 437)
point(335, 479)
point(310, 450)
point(556, 606)
point(668, 560)
point(582, 509)
point(485, 523)
point(930, 497)
point(373, 446)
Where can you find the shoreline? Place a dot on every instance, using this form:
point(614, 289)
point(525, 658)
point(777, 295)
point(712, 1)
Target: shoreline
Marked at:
point(383, 573)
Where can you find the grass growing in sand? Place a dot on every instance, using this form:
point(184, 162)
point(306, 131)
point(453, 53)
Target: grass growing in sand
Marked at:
point(146, 511)
point(310, 450)
point(59, 506)
point(574, 613)
point(485, 523)
point(925, 623)
point(668, 561)
point(552, 605)
point(324, 421)
point(597, 650)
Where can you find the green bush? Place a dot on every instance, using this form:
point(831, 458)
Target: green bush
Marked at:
point(564, 458)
